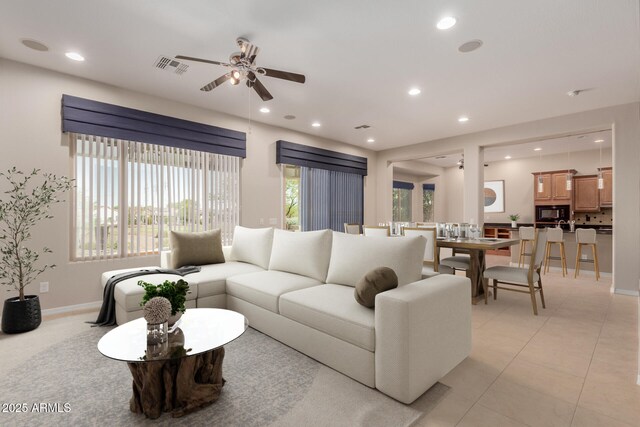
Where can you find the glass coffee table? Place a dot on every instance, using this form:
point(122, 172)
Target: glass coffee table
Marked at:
point(182, 374)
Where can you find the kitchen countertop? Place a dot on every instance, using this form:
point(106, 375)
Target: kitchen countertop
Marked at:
point(600, 228)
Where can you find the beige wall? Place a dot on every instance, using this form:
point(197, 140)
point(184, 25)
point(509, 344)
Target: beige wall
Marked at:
point(518, 181)
point(32, 138)
point(624, 120)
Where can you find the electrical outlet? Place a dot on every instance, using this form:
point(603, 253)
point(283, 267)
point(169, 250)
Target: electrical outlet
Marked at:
point(44, 287)
point(273, 221)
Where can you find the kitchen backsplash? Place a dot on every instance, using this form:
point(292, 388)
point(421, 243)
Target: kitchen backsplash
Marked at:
point(604, 217)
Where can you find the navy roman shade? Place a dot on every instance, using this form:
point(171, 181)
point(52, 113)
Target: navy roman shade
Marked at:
point(403, 185)
point(89, 117)
point(302, 155)
point(426, 187)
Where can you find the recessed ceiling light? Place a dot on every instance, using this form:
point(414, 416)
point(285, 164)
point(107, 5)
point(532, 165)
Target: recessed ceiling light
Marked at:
point(599, 140)
point(371, 140)
point(75, 56)
point(264, 110)
point(463, 119)
point(316, 124)
point(446, 23)
point(414, 91)
point(470, 46)
point(537, 149)
point(507, 157)
point(34, 44)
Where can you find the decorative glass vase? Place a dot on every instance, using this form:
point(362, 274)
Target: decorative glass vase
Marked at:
point(157, 333)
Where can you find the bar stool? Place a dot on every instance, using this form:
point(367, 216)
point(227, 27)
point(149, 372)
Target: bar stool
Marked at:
point(555, 236)
point(527, 235)
point(586, 237)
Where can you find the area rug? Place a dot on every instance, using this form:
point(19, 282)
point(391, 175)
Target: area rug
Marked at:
point(268, 384)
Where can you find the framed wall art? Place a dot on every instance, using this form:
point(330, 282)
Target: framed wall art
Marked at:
point(494, 196)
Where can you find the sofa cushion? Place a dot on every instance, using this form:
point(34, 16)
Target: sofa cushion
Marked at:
point(252, 245)
point(195, 248)
point(333, 310)
point(305, 253)
point(354, 256)
point(108, 274)
point(377, 280)
point(129, 295)
point(211, 279)
point(264, 288)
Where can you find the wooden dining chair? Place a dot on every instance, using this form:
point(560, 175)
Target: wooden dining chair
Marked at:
point(376, 230)
point(351, 228)
point(430, 259)
point(516, 277)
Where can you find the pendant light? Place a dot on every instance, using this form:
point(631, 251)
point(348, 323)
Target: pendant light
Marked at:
point(540, 183)
point(569, 177)
point(600, 179)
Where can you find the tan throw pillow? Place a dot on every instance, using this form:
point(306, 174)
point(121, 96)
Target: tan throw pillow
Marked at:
point(379, 280)
point(204, 247)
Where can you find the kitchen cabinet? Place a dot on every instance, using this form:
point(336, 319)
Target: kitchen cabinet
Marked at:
point(498, 233)
point(606, 194)
point(554, 191)
point(586, 193)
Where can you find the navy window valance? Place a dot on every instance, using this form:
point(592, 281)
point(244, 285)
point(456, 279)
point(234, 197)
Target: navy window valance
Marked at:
point(403, 185)
point(302, 155)
point(431, 187)
point(89, 117)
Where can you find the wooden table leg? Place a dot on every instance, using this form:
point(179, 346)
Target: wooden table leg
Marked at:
point(179, 386)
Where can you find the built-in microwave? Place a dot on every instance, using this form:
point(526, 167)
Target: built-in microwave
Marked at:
point(553, 213)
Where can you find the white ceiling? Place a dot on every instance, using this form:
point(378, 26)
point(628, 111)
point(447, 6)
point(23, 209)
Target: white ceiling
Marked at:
point(360, 58)
point(571, 144)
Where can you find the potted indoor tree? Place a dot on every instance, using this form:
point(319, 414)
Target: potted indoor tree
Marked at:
point(514, 218)
point(25, 202)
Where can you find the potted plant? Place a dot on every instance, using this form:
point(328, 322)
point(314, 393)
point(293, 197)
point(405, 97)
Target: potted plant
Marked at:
point(175, 292)
point(514, 218)
point(23, 205)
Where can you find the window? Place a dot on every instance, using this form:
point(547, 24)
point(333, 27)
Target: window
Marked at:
point(129, 195)
point(292, 197)
point(402, 201)
point(428, 195)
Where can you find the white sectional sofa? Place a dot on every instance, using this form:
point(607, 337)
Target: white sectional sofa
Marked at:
point(299, 289)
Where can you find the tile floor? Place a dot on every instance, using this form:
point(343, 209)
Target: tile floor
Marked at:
point(575, 364)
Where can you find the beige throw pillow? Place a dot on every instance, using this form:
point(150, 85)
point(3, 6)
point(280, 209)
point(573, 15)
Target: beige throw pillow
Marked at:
point(204, 247)
point(379, 280)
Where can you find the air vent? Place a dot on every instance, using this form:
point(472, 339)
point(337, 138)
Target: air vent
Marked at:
point(362, 127)
point(441, 157)
point(165, 63)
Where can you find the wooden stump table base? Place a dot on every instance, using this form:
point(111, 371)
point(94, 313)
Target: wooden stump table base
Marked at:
point(179, 386)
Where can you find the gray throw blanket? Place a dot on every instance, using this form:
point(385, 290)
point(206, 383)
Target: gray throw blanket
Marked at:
point(107, 316)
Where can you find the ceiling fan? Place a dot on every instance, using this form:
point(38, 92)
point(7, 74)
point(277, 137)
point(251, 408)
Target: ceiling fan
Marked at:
point(243, 67)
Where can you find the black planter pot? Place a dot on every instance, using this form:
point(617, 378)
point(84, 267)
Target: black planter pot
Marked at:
point(21, 316)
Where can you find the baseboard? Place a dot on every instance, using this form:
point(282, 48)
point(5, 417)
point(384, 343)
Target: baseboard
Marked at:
point(626, 292)
point(570, 271)
point(70, 308)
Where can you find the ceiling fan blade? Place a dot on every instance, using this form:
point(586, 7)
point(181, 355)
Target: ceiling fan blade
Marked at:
point(261, 90)
point(285, 75)
point(214, 84)
point(206, 61)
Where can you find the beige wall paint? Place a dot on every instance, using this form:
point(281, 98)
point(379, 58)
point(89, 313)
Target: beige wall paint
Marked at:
point(32, 138)
point(518, 181)
point(624, 120)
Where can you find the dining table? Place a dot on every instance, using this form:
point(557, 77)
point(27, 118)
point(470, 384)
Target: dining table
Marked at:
point(476, 248)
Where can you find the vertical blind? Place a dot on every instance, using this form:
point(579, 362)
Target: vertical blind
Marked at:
point(328, 199)
point(129, 195)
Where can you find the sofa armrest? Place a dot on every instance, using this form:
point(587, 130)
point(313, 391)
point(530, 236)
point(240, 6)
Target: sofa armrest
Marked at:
point(165, 256)
point(423, 330)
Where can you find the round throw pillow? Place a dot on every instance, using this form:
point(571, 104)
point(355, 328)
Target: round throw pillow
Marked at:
point(379, 280)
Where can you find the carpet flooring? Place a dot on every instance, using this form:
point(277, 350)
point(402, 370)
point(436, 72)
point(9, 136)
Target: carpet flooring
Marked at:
point(268, 383)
